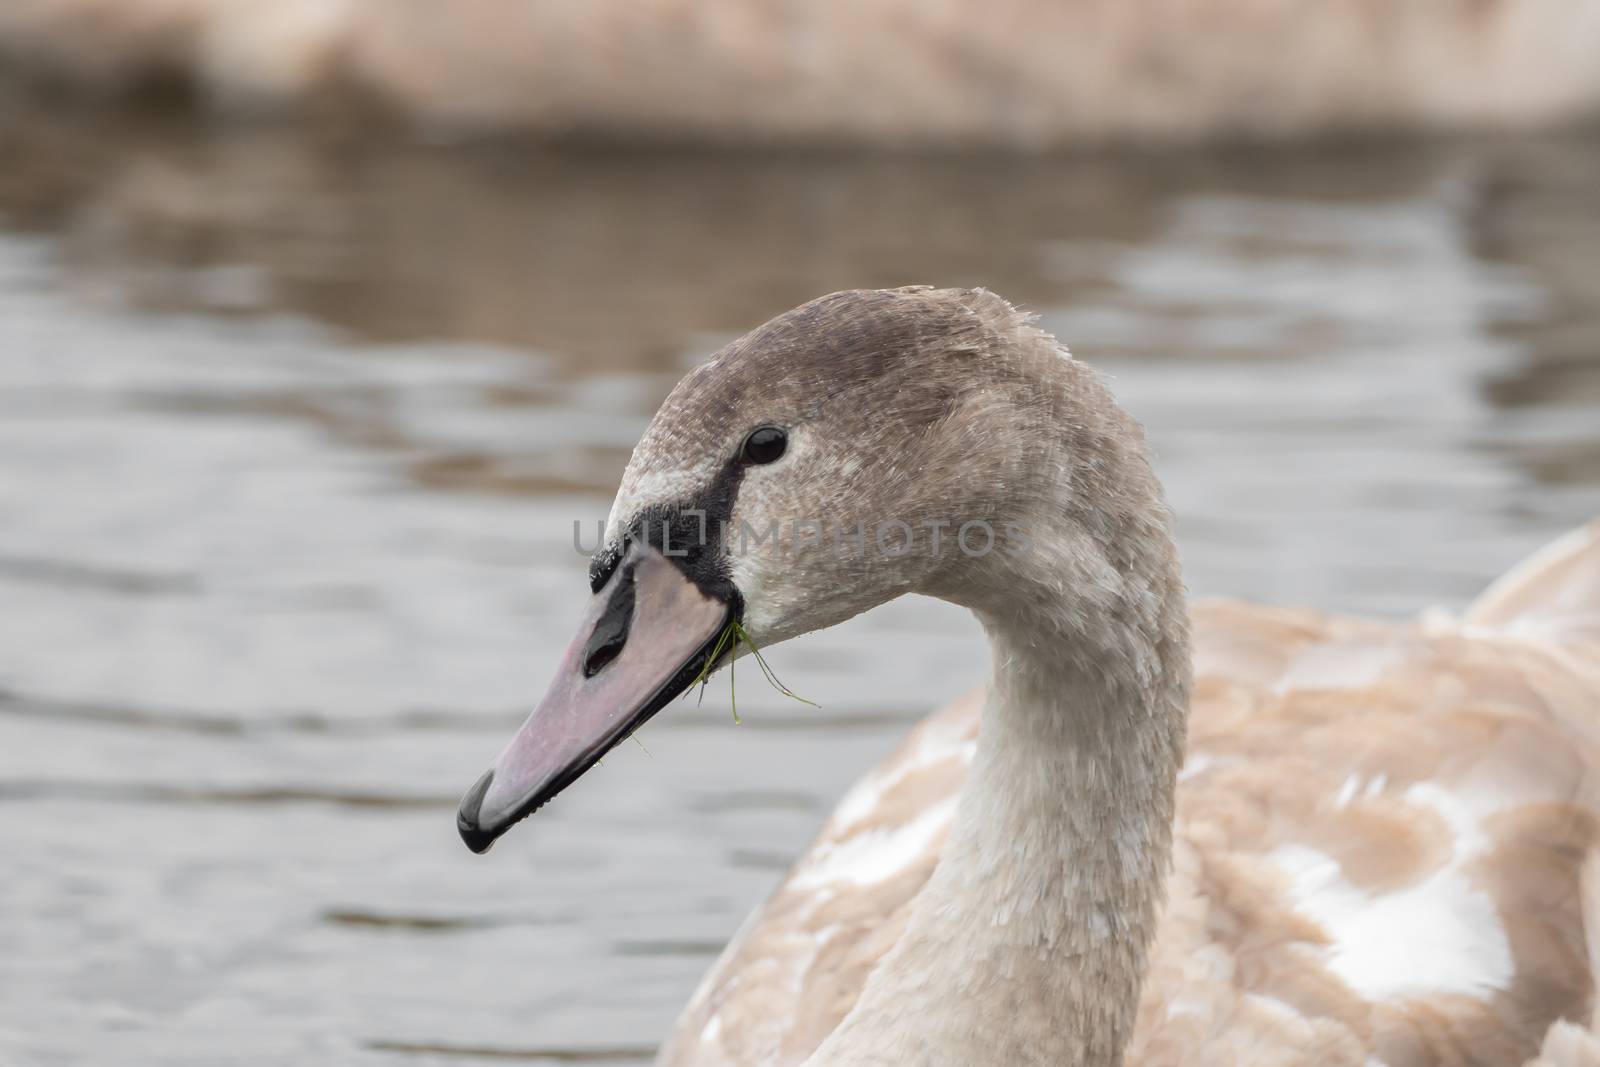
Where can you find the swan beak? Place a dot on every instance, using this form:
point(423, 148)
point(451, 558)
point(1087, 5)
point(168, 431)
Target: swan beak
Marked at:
point(645, 638)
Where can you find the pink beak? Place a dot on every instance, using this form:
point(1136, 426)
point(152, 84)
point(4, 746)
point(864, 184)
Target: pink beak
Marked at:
point(645, 638)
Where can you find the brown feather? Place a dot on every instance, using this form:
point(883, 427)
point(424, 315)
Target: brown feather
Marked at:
point(1387, 750)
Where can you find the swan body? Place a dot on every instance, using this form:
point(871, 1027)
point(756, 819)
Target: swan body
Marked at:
point(1158, 836)
point(1381, 838)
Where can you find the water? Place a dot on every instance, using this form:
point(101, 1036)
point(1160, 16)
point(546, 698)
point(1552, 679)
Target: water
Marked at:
point(293, 433)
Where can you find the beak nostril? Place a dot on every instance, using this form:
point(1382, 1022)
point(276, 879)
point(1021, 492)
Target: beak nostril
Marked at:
point(611, 631)
point(596, 658)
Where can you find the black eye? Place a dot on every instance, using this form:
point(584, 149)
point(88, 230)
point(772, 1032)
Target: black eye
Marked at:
point(765, 445)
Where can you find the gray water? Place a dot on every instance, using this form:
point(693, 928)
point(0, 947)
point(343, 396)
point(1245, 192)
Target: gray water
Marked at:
point(293, 433)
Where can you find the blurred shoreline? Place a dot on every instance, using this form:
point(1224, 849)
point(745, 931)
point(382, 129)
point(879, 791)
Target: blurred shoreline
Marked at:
point(1018, 74)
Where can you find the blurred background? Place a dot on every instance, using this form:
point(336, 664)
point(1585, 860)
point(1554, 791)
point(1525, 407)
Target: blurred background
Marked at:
point(322, 321)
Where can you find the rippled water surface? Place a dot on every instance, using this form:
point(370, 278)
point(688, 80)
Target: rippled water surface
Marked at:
point(293, 433)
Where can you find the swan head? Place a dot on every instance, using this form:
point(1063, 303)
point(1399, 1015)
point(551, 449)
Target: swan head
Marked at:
point(862, 446)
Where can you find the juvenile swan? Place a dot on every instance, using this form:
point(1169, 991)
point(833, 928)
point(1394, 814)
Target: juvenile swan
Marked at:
point(1375, 853)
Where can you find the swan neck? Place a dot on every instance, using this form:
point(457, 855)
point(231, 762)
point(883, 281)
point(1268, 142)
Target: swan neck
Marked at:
point(1029, 944)
point(1067, 825)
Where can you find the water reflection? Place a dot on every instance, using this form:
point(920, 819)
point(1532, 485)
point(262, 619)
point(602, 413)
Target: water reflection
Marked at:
point(292, 434)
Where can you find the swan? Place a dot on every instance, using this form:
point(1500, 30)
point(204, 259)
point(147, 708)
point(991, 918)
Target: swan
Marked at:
point(1238, 835)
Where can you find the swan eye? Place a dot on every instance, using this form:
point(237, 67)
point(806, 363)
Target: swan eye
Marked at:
point(765, 445)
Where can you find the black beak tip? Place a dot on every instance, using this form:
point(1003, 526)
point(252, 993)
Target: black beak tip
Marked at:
point(472, 832)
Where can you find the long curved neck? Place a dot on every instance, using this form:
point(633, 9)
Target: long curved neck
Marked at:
point(1029, 943)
